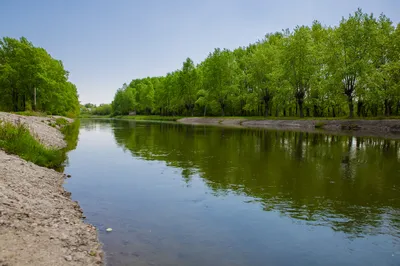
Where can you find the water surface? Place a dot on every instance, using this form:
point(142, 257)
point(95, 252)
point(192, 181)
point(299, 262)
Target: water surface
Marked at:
point(196, 195)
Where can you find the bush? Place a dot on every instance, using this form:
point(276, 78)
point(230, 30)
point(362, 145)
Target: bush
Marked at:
point(16, 139)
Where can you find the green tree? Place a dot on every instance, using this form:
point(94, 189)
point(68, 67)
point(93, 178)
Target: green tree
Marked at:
point(349, 54)
point(31, 79)
point(265, 71)
point(219, 77)
point(300, 63)
point(188, 85)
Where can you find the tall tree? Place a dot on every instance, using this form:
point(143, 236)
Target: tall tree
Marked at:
point(349, 54)
point(300, 64)
point(266, 70)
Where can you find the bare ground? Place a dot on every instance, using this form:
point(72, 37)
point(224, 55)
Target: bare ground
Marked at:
point(381, 128)
point(39, 223)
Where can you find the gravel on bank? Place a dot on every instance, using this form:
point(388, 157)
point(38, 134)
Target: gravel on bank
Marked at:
point(39, 127)
point(380, 128)
point(39, 223)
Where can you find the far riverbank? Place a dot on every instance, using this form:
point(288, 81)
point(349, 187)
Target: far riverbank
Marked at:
point(388, 127)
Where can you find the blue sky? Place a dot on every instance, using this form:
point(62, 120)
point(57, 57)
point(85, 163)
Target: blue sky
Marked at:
point(106, 43)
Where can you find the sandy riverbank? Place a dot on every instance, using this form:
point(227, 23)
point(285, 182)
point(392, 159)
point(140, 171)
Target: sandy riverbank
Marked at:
point(381, 128)
point(39, 223)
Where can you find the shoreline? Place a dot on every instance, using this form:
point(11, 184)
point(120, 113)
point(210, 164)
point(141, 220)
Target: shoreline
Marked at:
point(39, 222)
point(370, 127)
point(388, 128)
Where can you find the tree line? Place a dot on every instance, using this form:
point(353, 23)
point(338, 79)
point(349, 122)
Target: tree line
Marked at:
point(93, 109)
point(320, 71)
point(31, 80)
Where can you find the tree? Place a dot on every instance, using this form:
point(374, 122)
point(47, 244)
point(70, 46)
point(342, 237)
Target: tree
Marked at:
point(300, 64)
point(349, 56)
point(313, 71)
point(219, 77)
point(31, 79)
point(265, 71)
point(188, 85)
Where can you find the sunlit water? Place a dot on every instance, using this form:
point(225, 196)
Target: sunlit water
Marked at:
point(186, 195)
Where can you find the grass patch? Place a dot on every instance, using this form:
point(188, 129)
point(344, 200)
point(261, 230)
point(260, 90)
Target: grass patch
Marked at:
point(30, 113)
point(61, 122)
point(16, 139)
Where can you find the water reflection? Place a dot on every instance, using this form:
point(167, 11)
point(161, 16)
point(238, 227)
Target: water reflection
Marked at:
point(350, 184)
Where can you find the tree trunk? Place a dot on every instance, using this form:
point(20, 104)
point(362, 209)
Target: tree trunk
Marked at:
point(205, 110)
point(266, 109)
point(316, 113)
point(388, 111)
point(34, 99)
point(15, 100)
point(284, 111)
point(333, 112)
point(351, 106)
point(300, 103)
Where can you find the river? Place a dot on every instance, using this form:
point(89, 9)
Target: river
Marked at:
point(201, 195)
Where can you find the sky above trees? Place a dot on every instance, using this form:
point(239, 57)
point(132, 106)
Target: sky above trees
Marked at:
point(105, 43)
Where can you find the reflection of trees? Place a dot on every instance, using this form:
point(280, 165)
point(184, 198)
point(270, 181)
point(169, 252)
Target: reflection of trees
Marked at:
point(347, 183)
point(94, 124)
point(71, 134)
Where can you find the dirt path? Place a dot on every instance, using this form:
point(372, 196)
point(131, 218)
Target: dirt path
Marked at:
point(380, 128)
point(39, 223)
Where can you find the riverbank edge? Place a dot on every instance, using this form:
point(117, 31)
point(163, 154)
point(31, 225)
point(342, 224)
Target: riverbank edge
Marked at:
point(39, 222)
point(359, 127)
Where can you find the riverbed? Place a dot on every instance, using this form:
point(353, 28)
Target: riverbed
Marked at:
point(201, 195)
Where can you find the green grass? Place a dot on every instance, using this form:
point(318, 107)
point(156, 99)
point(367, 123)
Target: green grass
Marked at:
point(30, 113)
point(16, 139)
point(61, 122)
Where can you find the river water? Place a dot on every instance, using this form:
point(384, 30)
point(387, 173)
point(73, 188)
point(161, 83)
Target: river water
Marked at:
point(196, 195)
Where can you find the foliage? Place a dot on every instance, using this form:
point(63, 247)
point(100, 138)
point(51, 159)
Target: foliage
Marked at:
point(318, 71)
point(90, 109)
point(30, 79)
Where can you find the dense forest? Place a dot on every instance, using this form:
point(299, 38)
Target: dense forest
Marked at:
point(30, 79)
point(352, 69)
